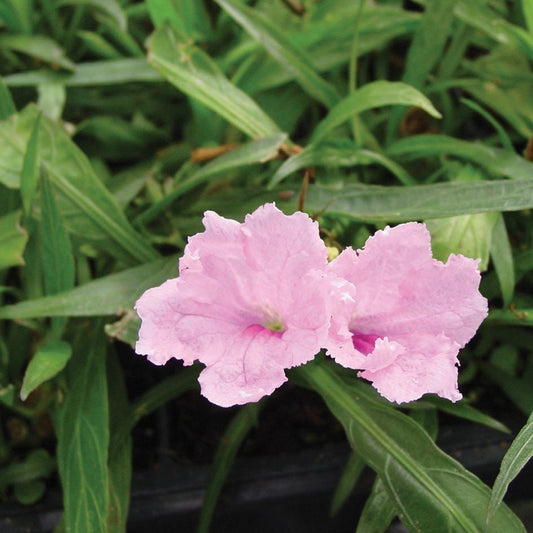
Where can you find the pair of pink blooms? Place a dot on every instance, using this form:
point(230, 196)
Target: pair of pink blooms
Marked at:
point(255, 298)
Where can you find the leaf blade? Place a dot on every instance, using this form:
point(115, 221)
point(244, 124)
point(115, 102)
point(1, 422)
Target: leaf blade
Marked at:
point(372, 95)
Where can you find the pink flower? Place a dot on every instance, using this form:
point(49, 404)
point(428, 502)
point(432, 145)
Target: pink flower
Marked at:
point(251, 300)
point(410, 316)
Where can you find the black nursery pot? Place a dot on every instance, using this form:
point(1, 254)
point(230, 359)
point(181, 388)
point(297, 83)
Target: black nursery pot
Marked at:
point(287, 491)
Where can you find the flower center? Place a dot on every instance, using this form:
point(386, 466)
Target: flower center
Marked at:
point(364, 342)
point(272, 321)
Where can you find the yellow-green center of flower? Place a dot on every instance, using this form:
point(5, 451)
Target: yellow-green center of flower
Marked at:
point(272, 321)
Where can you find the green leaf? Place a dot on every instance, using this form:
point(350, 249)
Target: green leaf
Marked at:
point(225, 455)
point(38, 47)
point(484, 19)
point(120, 463)
point(502, 259)
point(370, 96)
point(348, 480)
point(195, 73)
point(98, 45)
point(52, 97)
point(492, 159)
point(87, 207)
point(13, 239)
point(28, 492)
point(527, 9)
point(432, 491)
point(518, 454)
point(378, 512)
point(253, 152)
point(38, 464)
point(400, 204)
point(469, 235)
point(429, 41)
point(461, 410)
point(83, 437)
point(17, 15)
point(189, 16)
point(108, 295)
point(110, 7)
point(47, 362)
point(286, 53)
point(58, 262)
point(425, 50)
point(337, 156)
point(7, 106)
point(95, 73)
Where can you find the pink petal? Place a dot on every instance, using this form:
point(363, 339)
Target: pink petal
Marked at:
point(157, 335)
point(405, 373)
point(250, 301)
point(405, 296)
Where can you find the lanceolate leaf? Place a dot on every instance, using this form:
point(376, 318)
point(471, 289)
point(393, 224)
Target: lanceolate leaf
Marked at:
point(7, 107)
point(29, 175)
point(400, 204)
point(502, 258)
point(39, 47)
point(494, 160)
point(432, 491)
point(119, 463)
point(109, 295)
point(88, 208)
point(338, 156)
point(518, 454)
point(48, 361)
point(378, 511)
point(283, 50)
point(129, 69)
point(192, 71)
point(83, 438)
point(372, 95)
point(253, 152)
point(58, 262)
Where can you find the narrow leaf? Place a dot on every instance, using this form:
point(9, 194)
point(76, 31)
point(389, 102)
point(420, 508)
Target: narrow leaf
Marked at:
point(479, 16)
point(108, 295)
point(518, 454)
point(348, 480)
point(87, 206)
point(58, 262)
point(492, 159)
point(83, 438)
point(95, 73)
point(370, 96)
point(7, 107)
point(47, 362)
point(110, 7)
point(502, 258)
point(283, 50)
point(120, 464)
point(378, 512)
point(400, 204)
point(196, 74)
point(253, 152)
point(432, 491)
point(337, 156)
point(39, 47)
point(527, 9)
